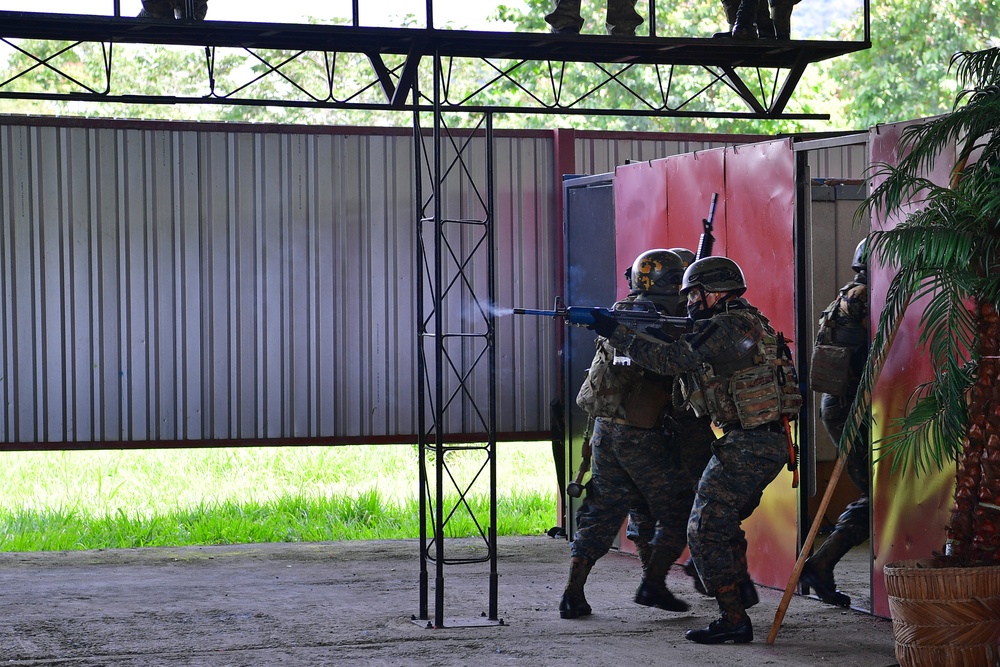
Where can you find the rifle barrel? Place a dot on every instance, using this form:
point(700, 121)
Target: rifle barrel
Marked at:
point(533, 311)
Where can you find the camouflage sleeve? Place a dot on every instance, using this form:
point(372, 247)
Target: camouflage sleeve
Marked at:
point(708, 340)
point(856, 304)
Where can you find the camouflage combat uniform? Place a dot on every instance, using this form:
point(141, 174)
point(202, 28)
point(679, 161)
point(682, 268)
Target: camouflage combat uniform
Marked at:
point(652, 469)
point(846, 326)
point(692, 436)
point(744, 461)
point(622, 19)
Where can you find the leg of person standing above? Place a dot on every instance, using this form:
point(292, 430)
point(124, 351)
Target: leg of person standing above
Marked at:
point(565, 18)
point(745, 462)
point(781, 13)
point(622, 19)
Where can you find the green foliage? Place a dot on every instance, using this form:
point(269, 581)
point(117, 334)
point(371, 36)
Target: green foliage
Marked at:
point(905, 73)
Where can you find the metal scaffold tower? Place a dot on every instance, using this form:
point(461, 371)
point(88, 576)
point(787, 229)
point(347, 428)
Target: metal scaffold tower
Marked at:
point(389, 69)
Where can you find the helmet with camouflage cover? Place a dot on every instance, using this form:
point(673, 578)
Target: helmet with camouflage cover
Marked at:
point(657, 272)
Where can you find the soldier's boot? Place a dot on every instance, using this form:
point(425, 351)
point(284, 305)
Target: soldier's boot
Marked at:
point(157, 9)
point(765, 26)
point(781, 13)
point(574, 604)
point(622, 19)
point(730, 6)
point(692, 571)
point(734, 624)
point(817, 572)
point(745, 27)
point(653, 591)
point(565, 18)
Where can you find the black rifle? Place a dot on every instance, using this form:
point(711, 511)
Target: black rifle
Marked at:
point(706, 241)
point(638, 315)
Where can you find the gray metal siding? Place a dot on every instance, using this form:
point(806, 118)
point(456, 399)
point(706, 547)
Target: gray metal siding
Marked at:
point(171, 284)
point(177, 282)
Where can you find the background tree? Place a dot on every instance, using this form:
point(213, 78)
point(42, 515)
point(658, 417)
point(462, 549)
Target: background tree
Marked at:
point(905, 73)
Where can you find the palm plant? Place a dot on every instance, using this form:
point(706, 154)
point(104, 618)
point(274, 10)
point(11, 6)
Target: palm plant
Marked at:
point(948, 256)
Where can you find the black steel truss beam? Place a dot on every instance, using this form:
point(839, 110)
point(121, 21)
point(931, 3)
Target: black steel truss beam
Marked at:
point(395, 55)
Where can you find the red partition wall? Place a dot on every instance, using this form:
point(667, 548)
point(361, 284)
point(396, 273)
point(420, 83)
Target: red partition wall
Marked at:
point(661, 204)
point(908, 513)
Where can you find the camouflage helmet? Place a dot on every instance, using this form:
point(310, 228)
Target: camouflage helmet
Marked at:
point(657, 272)
point(686, 255)
point(860, 260)
point(714, 274)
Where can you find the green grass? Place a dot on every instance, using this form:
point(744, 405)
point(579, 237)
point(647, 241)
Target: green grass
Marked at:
point(57, 501)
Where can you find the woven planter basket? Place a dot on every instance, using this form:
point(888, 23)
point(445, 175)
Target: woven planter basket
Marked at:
point(944, 616)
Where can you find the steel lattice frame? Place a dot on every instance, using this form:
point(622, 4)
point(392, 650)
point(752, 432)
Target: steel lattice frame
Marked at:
point(520, 73)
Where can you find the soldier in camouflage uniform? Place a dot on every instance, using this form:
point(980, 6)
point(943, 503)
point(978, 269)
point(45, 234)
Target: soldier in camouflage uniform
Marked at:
point(637, 462)
point(693, 435)
point(735, 367)
point(845, 324)
point(622, 19)
point(171, 9)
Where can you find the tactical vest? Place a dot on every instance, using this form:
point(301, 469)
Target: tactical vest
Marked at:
point(751, 383)
point(615, 388)
point(830, 369)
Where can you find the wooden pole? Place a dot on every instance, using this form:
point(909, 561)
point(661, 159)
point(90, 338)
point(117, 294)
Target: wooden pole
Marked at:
point(806, 548)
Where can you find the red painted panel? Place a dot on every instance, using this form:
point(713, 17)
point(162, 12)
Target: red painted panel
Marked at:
point(753, 225)
point(760, 218)
point(908, 514)
point(640, 213)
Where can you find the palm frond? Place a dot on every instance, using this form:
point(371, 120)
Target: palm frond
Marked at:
point(898, 296)
point(929, 435)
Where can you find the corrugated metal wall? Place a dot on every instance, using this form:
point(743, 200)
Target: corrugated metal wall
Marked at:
point(175, 282)
point(184, 285)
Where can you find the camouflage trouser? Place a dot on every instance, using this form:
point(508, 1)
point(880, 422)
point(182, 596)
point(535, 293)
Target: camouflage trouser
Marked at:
point(632, 467)
point(622, 19)
point(853, 523)
point(744, 463)
point(693, 437)
point(168, 9)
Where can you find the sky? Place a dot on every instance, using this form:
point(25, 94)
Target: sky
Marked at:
point(471, 14)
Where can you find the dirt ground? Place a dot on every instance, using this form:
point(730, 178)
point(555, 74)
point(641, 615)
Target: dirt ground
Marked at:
point(353, 603)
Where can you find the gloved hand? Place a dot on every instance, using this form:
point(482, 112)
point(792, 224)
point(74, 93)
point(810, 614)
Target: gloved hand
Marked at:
point(604, 325)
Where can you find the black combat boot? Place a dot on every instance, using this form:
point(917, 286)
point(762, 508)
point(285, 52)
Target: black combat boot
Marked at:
point(574, 604)
point(745, 26)
point(734, 624)
point(692, 571)
point(653, 591)
point(817, 572)
point(782, 14)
